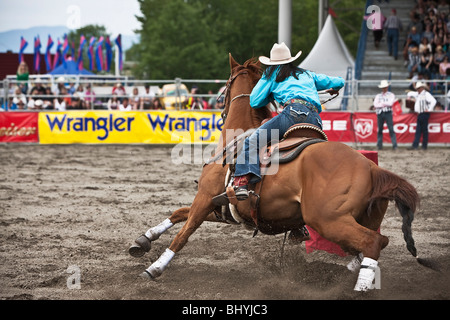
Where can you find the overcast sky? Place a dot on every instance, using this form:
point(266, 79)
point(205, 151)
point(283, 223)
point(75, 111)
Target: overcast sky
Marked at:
point(118, 16)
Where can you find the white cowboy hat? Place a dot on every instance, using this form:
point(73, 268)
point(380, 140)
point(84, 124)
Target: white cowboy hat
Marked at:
point(383, 84)
point(421, 84)
point(280, 54)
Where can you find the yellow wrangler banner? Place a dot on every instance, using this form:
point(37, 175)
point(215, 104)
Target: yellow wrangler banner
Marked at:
point(129, 127)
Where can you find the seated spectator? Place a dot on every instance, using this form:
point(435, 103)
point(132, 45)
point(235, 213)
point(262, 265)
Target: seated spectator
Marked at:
point(36, 104)
point(412, 41)
point(147, 98)
point(414, 61)
point(113, 102)
point(76, 103)
point(89, 97)
point(428, 33)
point(19, 104)
point(426, 59)
point(119, 90)
point(125, 105)
point(62, 101)
point(48, 100)
point(157, 105)
point(425, 44)
point(193, 102)
point(31, 100)
point(135, 99)
point(443, 66)
point(80, 91)
point(71, 90)
point(39, 87)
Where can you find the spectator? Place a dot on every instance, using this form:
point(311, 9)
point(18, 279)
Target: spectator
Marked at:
point(413, 39)
point(76, 103)
point(19, 104)
point(39, 87)
point(36, 105)
point(194, 102)
point(438, 57)
point(125, 105)
point(22, 77)
point(48, 99)
point(34, 92)
point(119, 90)
point(393, 25)
point(425, 44)
point(71, 90)
point(135, 99)
point(61, 102)
point(89, 97)
point(157, 105)
point(424, 102)
point(426, 59)
point(147, 98)
point(414, 61)
point(428, 33)
point(443, 66)
point(113, 102)
point(383, 107)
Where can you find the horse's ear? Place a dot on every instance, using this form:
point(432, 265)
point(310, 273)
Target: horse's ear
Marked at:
point(233, 62)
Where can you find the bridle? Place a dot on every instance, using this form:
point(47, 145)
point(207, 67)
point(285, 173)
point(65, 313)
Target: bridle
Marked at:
point(226, 93)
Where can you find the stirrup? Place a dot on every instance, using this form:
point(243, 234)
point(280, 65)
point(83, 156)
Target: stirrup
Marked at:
point(241, 193)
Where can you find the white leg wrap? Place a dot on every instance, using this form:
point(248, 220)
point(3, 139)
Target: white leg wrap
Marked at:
point(155, 232)
point(367, 274)
point(157, 268)
point(354, 265)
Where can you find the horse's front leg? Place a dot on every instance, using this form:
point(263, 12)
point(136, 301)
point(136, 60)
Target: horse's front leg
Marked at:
point(143, 243)
point(201, 208)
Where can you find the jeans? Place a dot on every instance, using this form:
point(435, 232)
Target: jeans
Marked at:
point(392, 41)
point(421, 129)
point(274, 129)
point(381, 118)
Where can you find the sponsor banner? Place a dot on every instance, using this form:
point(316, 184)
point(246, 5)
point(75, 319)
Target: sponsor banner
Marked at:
point(337, 126)
point(19, 127)
point(366, 128)
point(158, 127)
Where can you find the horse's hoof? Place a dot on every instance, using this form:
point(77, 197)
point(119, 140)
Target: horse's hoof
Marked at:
point(146, 275)
point(142, 246)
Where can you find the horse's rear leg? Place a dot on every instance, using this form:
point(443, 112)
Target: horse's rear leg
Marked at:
point(355, 238)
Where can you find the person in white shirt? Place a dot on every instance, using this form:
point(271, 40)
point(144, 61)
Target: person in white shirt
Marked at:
point(383, 107)
point(424, 103)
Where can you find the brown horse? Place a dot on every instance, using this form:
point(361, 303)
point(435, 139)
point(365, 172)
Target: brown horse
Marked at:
point(330, 187)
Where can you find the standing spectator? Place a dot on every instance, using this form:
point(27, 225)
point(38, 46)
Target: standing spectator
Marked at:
point(393, 25)
point(383, 107)
point(413, 39)
point(22, 77)
point(424, 103)
point(89, 97)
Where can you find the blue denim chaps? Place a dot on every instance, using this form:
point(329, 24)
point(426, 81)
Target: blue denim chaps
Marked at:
point(273, 130)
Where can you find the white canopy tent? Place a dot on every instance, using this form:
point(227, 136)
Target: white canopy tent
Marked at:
point(330, 56)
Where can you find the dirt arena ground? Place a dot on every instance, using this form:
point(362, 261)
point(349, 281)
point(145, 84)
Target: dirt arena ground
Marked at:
point(72, 210)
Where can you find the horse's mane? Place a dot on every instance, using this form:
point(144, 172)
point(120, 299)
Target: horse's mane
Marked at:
point(255, 71)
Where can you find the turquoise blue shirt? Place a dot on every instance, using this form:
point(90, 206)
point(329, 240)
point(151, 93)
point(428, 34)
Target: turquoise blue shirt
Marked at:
point(306, 88)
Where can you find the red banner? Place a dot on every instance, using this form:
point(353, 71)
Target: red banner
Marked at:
point(366, 129)
point(19, 127)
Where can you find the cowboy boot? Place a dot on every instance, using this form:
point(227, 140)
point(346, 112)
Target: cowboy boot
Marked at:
point(240, 185)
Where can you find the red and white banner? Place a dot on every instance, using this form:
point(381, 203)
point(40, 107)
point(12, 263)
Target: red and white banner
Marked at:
point(19, 127)
point(362, 127)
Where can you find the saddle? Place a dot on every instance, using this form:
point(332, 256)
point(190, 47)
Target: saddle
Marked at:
point(294, 141)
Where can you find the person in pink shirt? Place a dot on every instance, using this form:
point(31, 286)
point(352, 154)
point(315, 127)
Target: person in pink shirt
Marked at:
point(383, 107)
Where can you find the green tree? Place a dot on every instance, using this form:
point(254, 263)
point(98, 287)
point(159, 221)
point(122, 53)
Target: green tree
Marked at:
point(192, 38)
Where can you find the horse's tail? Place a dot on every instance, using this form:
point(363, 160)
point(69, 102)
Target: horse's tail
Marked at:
point(389, 186)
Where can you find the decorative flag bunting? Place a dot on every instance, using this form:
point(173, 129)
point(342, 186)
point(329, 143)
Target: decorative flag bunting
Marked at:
point(119, 46)
point(37, 54)
point(91, 53)
point(80, 52)
point(58, 59)
point(65, 46)
point(108, 54)
point(99, 54)
point(23, 45)
point(48, 62)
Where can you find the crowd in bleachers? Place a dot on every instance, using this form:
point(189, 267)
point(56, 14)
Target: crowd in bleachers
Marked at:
point(427, 46)
point(65, 94)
